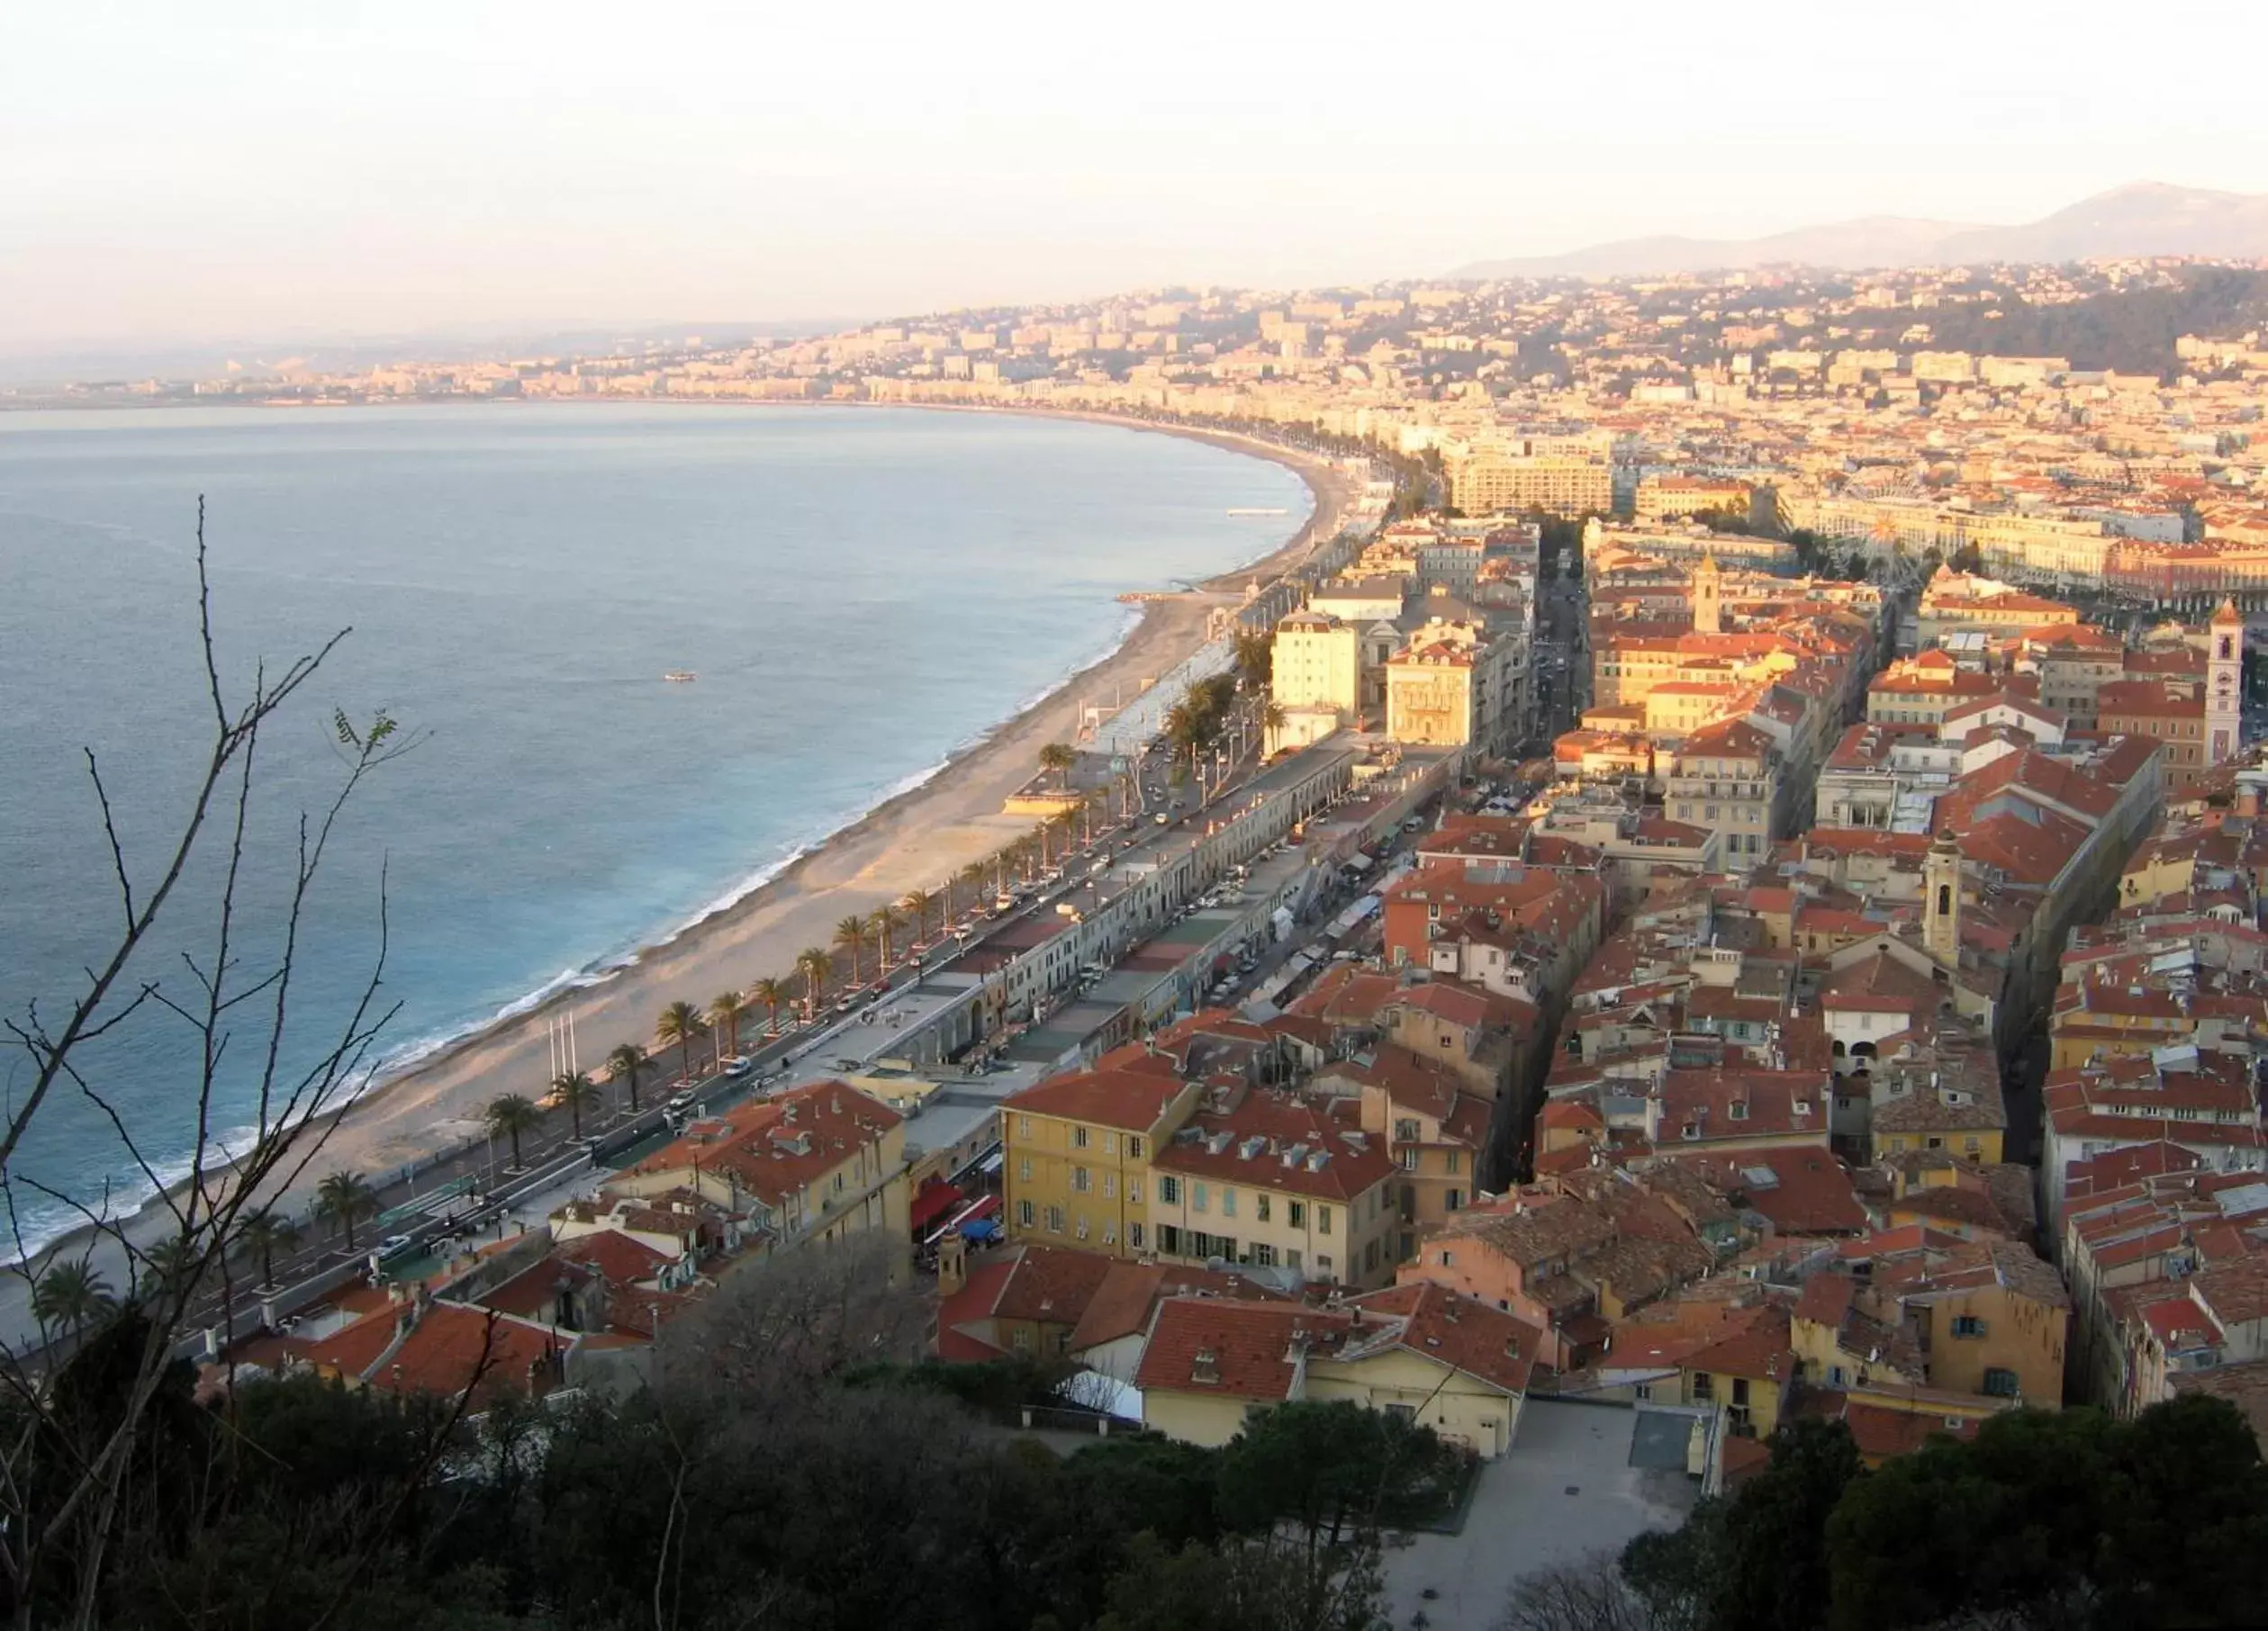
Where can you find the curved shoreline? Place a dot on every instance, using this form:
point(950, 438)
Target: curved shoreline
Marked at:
point(1329, 503)
point(911, 839)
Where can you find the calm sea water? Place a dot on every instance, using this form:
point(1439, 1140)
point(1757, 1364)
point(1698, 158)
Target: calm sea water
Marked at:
point(861, 592)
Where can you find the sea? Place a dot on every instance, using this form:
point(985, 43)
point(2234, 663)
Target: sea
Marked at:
point(862, 593)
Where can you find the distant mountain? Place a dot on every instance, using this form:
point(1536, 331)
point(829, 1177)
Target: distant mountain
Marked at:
point(2146, 217)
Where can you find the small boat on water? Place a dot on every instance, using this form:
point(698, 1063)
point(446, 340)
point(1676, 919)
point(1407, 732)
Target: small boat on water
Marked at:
point(1259, 512)
point(681, 676)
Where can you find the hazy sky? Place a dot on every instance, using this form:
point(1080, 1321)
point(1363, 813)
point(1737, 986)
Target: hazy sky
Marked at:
point(240, 168)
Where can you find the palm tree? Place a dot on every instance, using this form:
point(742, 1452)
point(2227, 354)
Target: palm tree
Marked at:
point(173, 1265)
point(264, 1234)
point(71, 1295)
point(817, 968)
point(1059, 757)
point(725, 1010)
point(1065, 824)
point(511, 1114)
point(851, 932)
point(1255, 657)
point(973, 875)
point(345, 1196)
point(917, 903)
point(578, 1093)
point(773, 995)
point(680, 1023)
point(881, 922)
point(623, 1065)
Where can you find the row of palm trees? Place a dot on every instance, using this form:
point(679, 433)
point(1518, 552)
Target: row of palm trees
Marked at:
point(74, 1294)
point(682, 1024)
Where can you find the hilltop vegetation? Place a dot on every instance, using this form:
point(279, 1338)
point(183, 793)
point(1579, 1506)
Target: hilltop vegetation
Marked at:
point(2128, 331)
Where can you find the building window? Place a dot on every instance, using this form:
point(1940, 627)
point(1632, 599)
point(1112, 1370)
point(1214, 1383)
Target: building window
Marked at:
point(1024, 1127)
point(2001, 1384)
point(1409, 1157)
point(1704, 1387)
point(1299, 1214)
point(1263, 1256)
point(1291, 1256)
point(1133, 1236)
point(1110, 1142)
point(1323, 1220)
point(1023, 1170)
point(1228, 1202)
point(1323, 1266)
point(1200, 1200)
point(1078, 1138)
point(1110, 1183)
point(1169, 1191)
point(1110, 1234)
point(1452, 1198)
point(1081, 1180)
point(1134, 1147)
point(1169, 1239)
point(1055, 1220)
point(1449, 1160)
point(1260, 1208)
point(1967, 1325)
point(1023, 1214)
point(1133, 1192)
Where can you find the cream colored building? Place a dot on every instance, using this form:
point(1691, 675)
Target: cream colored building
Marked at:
point(1316, 665)
point(1444, 1360)
point(1490, 477)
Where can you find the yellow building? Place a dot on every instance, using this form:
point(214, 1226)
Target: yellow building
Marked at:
point(1839, 1344)
point(1747, 1374)
point(1444, 1360)
point(1270, 1180)
point(1994, 1319)
point(1076, 1152)
point(1960, 1116)
point(816, 1163)
point(1431, 697)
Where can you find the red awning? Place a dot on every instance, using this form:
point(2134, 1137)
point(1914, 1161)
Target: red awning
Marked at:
point(933, 1202)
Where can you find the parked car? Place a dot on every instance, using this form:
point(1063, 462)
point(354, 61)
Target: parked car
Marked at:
point(739, 1063)
point(393, 1245)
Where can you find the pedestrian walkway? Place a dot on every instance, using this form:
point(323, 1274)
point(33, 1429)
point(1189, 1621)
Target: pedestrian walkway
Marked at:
point(1135, 725)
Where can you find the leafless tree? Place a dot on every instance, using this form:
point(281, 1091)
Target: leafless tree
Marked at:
point(1588, 1594)
point(778, 1329)
point(62, 1481)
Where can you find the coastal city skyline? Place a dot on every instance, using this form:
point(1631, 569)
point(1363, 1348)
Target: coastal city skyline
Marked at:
point(1322, 821)
point(272, 172)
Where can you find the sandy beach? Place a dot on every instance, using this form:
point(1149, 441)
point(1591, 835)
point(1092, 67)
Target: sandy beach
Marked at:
point(916, 840)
